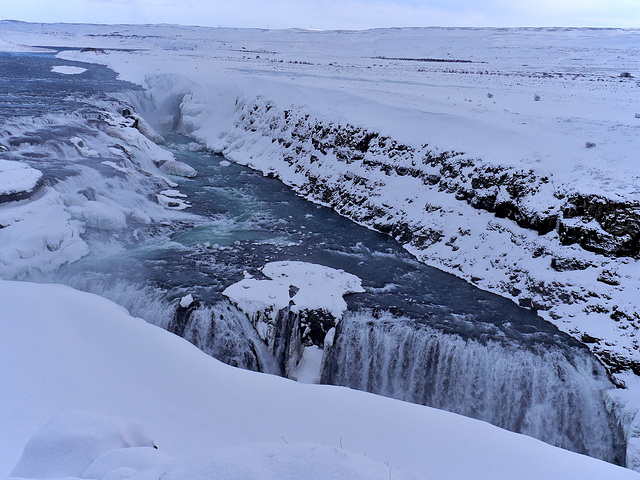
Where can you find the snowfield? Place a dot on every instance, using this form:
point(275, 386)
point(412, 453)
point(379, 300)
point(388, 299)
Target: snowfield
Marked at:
point(70, 362)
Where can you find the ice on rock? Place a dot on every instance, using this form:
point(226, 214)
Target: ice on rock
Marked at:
point(186, 301)
point(99, 215)
point(17, 178)
point(68, 69)
point(82, 148)
point(71, 442)
point(173, 193)
point(180, 169)
point(146, 129)
point(141, 147)
point(172, 203)
point(319, 288)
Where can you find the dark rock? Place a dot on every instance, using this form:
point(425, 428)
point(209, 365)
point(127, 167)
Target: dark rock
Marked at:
point(563, 264)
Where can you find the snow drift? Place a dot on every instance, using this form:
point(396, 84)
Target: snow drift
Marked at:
point(87, 353)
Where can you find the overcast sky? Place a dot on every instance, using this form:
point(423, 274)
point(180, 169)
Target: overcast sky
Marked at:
point(330, 14)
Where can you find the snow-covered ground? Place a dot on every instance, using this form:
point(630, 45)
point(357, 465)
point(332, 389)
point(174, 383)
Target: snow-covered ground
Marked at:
point(70, 361)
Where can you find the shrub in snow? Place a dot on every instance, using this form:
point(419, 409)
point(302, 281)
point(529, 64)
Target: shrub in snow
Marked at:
point(637, 115)
point(68, 444)
point(536, 97)
point(626, 75)
point(589, 144)
point(489, 95)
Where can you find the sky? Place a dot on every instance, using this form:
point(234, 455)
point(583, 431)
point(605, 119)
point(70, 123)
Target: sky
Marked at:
point(331, 14)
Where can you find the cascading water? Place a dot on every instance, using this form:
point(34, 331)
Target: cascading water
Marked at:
point(546, 393)
point(499, 363)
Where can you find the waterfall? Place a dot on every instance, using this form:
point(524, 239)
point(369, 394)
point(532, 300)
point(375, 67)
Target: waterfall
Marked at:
point(552, 395)
point(219, 330)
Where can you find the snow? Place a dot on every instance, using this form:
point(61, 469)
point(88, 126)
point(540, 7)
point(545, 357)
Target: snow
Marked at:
point(180, 169)
point(137, 459)
point(67, 445)
point(68, 70)
point(229, 88)
point(284, 462)
point(309, 368)
point(88, 354)
point(319, 288)
point(186, 301)
point(38, 234)
point(16, 177)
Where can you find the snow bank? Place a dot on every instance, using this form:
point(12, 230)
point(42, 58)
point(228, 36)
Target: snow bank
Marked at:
point(71, 442)
point(289, 461)
point(38, 234)
point(88, 353)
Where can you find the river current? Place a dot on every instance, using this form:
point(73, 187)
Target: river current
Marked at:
point(416, 334)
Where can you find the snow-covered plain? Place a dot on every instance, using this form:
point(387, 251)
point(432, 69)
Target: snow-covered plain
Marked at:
point(76, 359)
